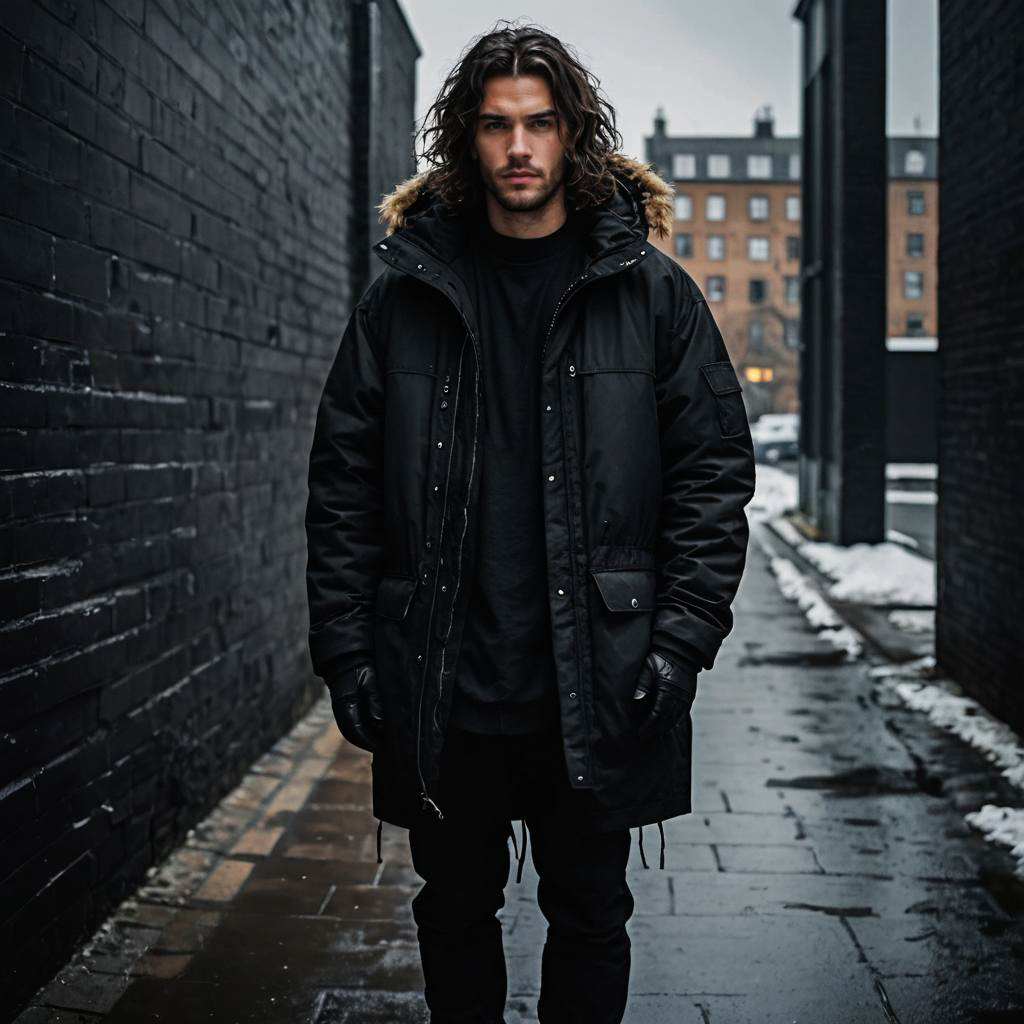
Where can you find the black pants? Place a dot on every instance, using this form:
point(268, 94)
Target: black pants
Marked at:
point(486, 781)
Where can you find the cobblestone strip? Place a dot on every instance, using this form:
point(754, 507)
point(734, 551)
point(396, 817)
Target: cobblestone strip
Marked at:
point(152, 933)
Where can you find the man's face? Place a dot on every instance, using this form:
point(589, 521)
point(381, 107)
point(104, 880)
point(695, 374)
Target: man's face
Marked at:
point(518, 142)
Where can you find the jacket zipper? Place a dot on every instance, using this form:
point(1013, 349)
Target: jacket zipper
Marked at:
point(424, 795)
point(462, 537)
point(433, 601)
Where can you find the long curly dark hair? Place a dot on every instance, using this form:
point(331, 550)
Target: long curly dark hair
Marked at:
point(588, 120)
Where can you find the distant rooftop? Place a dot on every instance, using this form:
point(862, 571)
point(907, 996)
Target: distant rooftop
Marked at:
point(763, 155)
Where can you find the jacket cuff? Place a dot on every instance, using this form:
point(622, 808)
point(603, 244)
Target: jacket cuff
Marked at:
point(332, 669)
point(683, 655)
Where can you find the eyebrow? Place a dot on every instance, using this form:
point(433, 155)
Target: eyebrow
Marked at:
point(529, 117)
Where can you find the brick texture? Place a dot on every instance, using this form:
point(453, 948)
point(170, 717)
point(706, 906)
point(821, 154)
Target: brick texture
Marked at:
point(981, 348)
point(183, 200)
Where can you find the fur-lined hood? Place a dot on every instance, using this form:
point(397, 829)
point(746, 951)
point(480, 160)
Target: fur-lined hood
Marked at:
point(657, 195)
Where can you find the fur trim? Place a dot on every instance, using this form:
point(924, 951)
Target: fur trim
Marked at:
point(657, 194)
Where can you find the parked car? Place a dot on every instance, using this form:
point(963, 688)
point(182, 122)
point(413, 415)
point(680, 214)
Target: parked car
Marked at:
point(776, 436)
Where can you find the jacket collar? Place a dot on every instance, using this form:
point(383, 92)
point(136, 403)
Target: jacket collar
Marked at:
point(642, 203)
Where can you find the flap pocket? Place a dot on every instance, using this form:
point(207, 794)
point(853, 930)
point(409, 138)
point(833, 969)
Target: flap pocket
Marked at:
point(627, 590)
point(721, 377)
point(394, 595)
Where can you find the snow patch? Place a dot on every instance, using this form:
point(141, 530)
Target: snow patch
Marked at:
point(871, 574)
point(949, 709)
point(1004, 825)
point(796, 587)
point(913, 620)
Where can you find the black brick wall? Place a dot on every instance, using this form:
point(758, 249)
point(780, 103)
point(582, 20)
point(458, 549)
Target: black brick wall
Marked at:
point(182, 223)
point(981, 349)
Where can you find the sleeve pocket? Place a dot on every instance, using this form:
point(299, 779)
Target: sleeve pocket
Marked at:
point(725, 385)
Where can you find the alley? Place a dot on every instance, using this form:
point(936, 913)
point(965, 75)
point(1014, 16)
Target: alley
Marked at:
point(826, 875)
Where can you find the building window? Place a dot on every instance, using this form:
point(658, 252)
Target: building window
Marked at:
point(794, 166)
point(915, 325)
point(684, 165)
point(792, 288)
point(759, 207)
point(914, 162)
point(715, 288)
point(915, 243)
point(758, 291)
point(684, 207)
point(792, 207)
point(759, 247)
point(915, 203)
point(716, 247)
point(684, 246)
point(913, 284)
point(715, 209)
point(756, 336)
point(792, 334)
point(759, 165)
point(719, 165)
point(792, 247)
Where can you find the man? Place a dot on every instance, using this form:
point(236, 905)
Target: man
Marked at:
point(526, 523)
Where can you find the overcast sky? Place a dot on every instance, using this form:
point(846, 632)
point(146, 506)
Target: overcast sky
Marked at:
point(709, 63)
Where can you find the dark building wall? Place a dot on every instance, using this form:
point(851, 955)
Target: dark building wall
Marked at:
point(178, 212)
point(981, 349)
point(911, 388)
point(382, 105)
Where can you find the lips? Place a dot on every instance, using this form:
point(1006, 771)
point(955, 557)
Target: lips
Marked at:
point(520, 176)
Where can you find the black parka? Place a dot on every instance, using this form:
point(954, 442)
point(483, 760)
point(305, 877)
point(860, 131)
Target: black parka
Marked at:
point(647, 465)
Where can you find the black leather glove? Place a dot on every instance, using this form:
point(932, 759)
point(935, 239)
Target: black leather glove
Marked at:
point(664, 692)
point(355, 701)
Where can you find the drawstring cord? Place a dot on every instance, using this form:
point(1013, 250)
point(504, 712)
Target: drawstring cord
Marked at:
point(380, 825)
point(522, 855)
point(512, 833)
point(643, 859)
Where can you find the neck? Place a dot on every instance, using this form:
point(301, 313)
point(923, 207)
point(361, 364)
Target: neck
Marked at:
point(527, 223)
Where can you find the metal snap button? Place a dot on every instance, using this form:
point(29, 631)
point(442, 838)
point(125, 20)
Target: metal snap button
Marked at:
point(440, 444)
point(635, 603)
point(572, 693)
point(551, 478)
point(561, 592)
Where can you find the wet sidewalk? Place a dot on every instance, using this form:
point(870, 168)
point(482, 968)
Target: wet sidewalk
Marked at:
point(826, 875)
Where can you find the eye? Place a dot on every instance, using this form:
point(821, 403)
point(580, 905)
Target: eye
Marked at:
point(543, 122)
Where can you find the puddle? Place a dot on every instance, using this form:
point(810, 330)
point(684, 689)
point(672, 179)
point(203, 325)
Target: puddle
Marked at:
point(866, 781)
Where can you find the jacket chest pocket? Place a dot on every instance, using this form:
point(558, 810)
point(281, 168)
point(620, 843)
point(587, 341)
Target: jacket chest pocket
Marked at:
point(724, 384)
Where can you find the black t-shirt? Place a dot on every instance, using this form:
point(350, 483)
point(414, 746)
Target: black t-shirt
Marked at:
point(506, 673)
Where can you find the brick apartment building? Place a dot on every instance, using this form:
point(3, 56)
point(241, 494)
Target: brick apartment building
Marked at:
point(737, 233)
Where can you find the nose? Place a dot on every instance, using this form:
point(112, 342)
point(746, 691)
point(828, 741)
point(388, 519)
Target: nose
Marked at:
point(519, 145)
